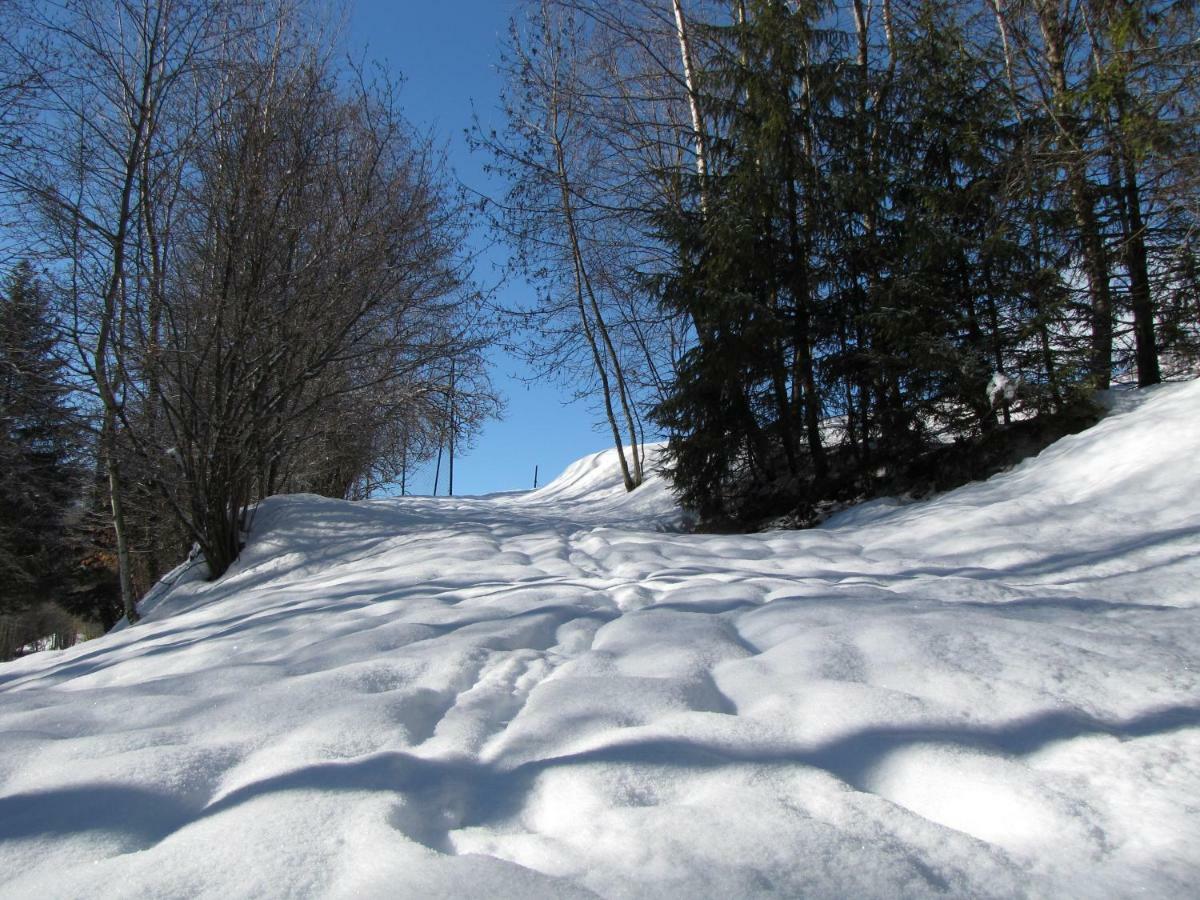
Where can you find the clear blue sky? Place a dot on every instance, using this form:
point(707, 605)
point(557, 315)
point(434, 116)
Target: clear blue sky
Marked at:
point(447, 52)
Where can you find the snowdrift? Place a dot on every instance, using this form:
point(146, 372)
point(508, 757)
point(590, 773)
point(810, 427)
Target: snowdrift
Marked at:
point(592, 489)
point(993, 693)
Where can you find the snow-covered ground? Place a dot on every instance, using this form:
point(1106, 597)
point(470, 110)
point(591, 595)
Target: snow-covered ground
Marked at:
point(994, 693)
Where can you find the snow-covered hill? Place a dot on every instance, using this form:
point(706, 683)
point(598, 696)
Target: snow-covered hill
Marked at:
point(994, 693)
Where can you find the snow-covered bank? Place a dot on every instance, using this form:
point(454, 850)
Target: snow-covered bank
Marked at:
point(994, 693)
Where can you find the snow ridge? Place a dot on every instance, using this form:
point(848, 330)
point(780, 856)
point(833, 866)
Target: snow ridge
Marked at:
point(555, 693)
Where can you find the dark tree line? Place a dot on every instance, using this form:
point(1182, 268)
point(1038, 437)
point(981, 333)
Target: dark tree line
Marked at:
point(255, 261)
point(884, 228)
point(42, 469)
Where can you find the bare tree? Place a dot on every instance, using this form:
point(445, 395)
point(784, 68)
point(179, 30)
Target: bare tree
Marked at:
point(553, 216)
point(122, 64)
point(263, 258)
point(607, 129)
point(319, 291)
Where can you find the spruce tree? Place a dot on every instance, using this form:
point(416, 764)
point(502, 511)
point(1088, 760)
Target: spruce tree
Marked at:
point(951, 255)
point(744, 411)
point(39, 444)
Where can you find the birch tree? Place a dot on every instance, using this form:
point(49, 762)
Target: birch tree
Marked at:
point(550, 213)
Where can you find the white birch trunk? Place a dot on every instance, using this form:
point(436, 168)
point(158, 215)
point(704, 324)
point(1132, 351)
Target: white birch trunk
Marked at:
point(689, 80)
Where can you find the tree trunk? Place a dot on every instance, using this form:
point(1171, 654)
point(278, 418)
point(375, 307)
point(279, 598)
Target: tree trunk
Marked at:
point(1091, 241)
point(116, 500)
point(582, 287)
point(1139, 272)
point(689, 81)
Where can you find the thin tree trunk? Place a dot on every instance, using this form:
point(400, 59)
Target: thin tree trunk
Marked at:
point(689, 80)
point(867, 165)
point(108, 397)
point(116, 500)
point(800, 251)
point(582, 287)
point(1096, 268)
point(584, 322)
point(113, 293)
point(618, 374)
point(1091, 242)
point(1138, 267)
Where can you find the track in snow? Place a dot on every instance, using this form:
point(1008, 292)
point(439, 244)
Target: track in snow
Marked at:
point(994, 693)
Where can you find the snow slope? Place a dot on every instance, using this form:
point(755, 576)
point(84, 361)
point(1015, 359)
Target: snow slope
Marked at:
point(994, 693)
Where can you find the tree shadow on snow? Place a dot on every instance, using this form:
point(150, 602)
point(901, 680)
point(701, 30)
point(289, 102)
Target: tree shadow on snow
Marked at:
point(137, 816)
point(437, 796)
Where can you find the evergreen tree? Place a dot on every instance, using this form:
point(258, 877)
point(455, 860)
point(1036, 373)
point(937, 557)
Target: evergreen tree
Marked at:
point(954, 264)
point(745, 410)
point(869, 245)
point(877, 207)
point(39, 445)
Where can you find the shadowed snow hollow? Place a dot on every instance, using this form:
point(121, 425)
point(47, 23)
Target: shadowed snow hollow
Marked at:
point(555, 693)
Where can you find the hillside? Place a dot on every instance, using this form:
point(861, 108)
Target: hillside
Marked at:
point(992, 693)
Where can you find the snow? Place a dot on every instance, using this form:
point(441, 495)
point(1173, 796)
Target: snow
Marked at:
point(1001, 388)
point(556, 693)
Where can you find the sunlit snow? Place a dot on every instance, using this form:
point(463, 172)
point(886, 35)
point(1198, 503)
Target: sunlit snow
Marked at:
point(993, 693)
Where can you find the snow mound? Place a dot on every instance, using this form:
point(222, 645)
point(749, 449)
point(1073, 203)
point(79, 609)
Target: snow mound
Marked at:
point(593, 488)
point(1113, 502)
point(993, 693)
point(597, 474)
